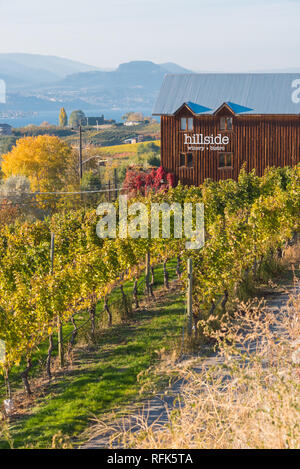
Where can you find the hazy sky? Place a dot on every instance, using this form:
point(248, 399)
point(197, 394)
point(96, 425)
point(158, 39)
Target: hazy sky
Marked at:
point(212, 35)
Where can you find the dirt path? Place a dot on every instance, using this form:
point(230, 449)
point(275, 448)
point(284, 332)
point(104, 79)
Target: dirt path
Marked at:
point(156, 411)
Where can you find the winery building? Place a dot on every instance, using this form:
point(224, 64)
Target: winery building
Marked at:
point(214, 124)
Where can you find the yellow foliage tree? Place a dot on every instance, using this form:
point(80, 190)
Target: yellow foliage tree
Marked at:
point(43, 159)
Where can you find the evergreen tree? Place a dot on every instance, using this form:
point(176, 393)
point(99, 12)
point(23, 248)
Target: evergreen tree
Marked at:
point(63, 118)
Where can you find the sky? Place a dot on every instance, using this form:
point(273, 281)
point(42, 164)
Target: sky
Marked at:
point(202, 35)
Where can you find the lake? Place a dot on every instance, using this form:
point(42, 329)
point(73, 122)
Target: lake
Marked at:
point(52, 117)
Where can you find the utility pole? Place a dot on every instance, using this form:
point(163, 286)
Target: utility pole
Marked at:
point(80, 153)
point(52, 251)
point(190, 296)
point(116, 183)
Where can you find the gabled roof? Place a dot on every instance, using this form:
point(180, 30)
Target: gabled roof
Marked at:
point(237, 108)
point(223, 107)
point(195, 108)
point(255, 93)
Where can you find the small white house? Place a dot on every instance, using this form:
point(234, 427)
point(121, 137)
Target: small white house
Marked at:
point(131, 123)
point(130, 140)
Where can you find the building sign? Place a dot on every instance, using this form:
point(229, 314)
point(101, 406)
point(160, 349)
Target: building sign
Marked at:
point(296, 93)
point(200, 142)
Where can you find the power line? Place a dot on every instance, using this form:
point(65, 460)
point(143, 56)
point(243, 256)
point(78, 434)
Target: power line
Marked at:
point(49, 196)
point(60, 193)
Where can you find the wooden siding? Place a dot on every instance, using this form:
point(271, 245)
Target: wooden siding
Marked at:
point(258, 141)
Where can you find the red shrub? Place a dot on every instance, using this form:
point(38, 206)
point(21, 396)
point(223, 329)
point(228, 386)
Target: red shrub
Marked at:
point(141, 182)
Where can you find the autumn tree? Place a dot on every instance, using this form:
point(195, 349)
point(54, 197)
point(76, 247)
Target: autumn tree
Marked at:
point(43, 159)
point(63, 118)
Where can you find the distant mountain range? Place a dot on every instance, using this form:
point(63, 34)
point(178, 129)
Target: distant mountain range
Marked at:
point(31, 69)
point(139, 75)
point(28, 70)
point(36, 82)
point(46, 83)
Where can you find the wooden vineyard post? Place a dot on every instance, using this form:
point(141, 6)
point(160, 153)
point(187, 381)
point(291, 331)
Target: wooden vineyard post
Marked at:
point(60, 343)
point(7, 383)
point(106, 308)
point(190, 296)
point(52, 251)
point(151, 286)
point(178, 267)
point(116, 183)
point(135, 294)
point(166, 275)
point(109, 195)
point(148, 274)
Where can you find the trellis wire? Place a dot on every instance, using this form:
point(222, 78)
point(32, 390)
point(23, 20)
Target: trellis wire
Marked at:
point(42, 362)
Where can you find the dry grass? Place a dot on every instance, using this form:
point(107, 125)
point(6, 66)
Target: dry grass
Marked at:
point(249, 398)
point(4, 431)
point(292, 254)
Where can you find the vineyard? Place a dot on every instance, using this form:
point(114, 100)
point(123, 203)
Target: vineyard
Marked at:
point(128, 148)
point(52, 269)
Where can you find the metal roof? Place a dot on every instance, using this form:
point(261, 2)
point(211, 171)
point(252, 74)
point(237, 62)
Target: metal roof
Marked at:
point(260, 93)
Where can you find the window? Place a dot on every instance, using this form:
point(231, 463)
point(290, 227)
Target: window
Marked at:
point(189, 160)
point(186, 159)
point(187, 123)
point(225, 160)
point(226, 123)
point(190, 123)
point(182, 159)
